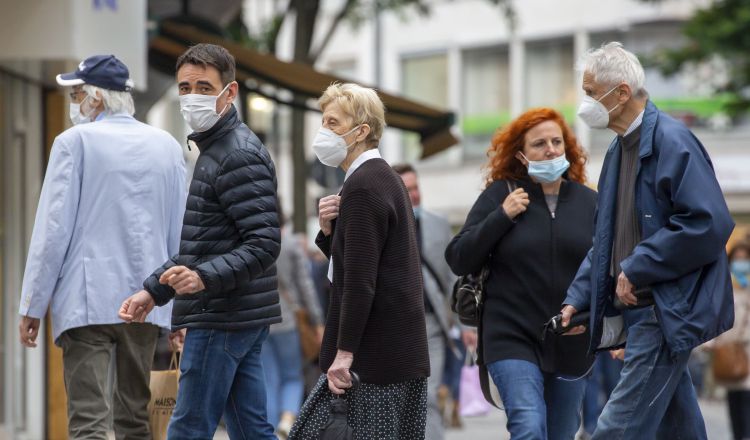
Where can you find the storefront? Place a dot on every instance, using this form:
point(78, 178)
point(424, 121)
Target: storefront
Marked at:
point(43, 38)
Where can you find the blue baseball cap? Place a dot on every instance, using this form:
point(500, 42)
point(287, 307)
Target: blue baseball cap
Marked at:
point(104, 71)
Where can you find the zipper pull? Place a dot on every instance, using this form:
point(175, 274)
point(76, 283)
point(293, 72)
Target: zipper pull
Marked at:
point(552, 214)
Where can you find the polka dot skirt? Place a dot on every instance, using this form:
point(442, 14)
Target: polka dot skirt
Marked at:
point(376, 412)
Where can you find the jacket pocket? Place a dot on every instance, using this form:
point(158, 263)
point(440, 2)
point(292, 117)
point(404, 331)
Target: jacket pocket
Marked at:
point(673, 297)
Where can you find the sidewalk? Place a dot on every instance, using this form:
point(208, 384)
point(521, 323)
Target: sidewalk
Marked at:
point(492, 426)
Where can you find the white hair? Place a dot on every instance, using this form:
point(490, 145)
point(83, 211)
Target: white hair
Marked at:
point(611, 64)
point(114, 101)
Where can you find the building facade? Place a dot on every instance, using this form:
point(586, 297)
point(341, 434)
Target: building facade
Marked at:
point(41, 39)
point(464, 56)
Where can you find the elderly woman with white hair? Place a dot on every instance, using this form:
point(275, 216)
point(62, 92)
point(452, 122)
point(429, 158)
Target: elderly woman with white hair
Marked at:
point(376, 323)
point(656, 279)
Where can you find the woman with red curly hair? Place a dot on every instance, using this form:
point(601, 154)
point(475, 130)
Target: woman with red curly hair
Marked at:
point(532, 227)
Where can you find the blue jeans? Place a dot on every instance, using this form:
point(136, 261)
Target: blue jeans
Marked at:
point(282, 362)
point(655, 397)
point(539, 406)
point(221, 373)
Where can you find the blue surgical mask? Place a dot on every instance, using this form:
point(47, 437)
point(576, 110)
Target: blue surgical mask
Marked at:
point(547, 171)
point(741, 267)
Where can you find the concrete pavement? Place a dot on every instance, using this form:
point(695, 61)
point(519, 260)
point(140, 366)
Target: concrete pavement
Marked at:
point(492, 426)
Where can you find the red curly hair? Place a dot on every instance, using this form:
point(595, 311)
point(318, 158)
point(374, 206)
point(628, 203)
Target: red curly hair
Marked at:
point(506, 142)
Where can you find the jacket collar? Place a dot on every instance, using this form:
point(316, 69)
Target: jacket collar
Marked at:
point(536, 190)
point(650, 118)
point(227, 123)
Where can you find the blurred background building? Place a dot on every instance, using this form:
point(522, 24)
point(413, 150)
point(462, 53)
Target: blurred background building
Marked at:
point(449, 79)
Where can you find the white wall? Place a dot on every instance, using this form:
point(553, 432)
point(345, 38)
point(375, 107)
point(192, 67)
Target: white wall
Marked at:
point(71, 30)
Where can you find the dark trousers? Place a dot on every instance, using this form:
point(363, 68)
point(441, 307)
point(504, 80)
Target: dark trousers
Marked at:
point(87, 354)
point(739, 413)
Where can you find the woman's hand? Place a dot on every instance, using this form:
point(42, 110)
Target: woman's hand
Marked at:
point(339, 378)
point(328, 209)
point(516, 203)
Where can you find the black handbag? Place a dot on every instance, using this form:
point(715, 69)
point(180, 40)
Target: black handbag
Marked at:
point(468, 296)
point(468, 291)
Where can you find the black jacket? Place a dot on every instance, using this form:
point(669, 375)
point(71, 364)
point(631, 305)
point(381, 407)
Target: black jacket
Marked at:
point(230, 234)
point(532, 262)
point(376, 306)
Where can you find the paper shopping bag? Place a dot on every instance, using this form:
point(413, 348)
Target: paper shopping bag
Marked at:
point(163, 398)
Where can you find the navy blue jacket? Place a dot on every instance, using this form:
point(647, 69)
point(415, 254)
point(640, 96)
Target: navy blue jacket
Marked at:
point(685, 224)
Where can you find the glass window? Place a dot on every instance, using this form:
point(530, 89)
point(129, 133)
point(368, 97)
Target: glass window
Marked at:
point(424, 79)
point(485, 97)
point(5, 323)
point(550, 79)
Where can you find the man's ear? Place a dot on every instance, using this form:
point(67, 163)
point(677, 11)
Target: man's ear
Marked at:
point(232, 91)
point(624, 92)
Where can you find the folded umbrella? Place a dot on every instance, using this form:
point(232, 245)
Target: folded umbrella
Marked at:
point(337, 427)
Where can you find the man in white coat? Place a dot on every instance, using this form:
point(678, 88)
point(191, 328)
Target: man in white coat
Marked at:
point(110, 212)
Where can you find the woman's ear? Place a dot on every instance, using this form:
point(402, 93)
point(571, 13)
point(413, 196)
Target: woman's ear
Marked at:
point(364, 131)
point(522, 159)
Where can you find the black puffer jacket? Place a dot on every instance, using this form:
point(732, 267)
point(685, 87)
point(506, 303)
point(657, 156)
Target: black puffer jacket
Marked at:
point(230, 234)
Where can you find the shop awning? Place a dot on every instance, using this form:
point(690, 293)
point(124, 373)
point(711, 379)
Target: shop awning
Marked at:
point(432, 125)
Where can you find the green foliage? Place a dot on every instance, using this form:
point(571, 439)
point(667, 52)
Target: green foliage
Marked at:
point(723, 30)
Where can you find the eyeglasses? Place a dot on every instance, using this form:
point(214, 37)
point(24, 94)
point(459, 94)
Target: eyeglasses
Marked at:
point(74, 95)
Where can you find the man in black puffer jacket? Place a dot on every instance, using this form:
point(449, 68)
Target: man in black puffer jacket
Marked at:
point(224, 279)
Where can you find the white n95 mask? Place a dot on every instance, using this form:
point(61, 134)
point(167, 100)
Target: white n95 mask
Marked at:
point(74, 112)
point(331, 148)
point(199, 111)
point(594, 113)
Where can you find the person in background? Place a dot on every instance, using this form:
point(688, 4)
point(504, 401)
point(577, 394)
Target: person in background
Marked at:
point(110, 211)
point(532, 226)
point(604, 377)
point(433, 235)
point(281, 354)
point(656, 279)
point(223, 280)
point(738, 393)
point(376, 321)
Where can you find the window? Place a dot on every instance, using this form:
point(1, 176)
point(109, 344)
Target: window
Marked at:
point(550, 77)
point(424, 79)
point(485, 97)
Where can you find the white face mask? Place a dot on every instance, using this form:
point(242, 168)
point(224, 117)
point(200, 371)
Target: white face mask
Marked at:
point(594, 113)
point(331, 148)
point(199, 111)
point(76, 117)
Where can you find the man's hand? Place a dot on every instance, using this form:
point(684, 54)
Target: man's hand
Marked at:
point(469, 338)
point(625, 290)
point(328, 209)
point(182, 280)
point(136, 307)
point(567, 312)
point(28, 330)
point(516, 203)
point(617, 354)
point(177, 339)
point(339, 378)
